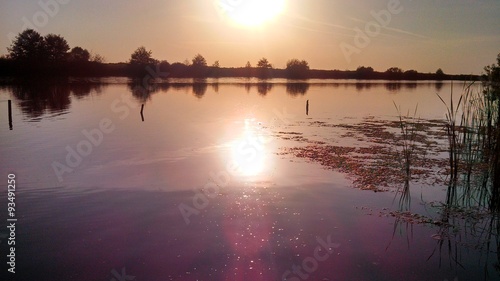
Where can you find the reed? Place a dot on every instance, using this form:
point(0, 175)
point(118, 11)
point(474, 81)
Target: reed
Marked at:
point(452, 133)
point(408, 127)
point(472, 146)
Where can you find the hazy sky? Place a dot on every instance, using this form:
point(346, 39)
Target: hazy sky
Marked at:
point(458, 36)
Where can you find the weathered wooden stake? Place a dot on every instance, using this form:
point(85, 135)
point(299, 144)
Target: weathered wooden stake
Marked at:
point(10, 114)
point(142, 109)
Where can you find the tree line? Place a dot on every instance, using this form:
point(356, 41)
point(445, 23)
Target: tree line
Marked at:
point(33, 54)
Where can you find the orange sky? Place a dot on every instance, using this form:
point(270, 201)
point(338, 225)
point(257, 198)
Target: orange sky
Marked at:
point(458, 36)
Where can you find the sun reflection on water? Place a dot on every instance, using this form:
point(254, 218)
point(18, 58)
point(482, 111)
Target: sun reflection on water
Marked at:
point(248, 152)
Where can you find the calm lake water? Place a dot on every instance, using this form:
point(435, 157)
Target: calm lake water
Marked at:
point(200, 187)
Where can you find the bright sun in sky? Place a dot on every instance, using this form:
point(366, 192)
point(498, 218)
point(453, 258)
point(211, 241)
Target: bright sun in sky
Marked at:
point(251, 12)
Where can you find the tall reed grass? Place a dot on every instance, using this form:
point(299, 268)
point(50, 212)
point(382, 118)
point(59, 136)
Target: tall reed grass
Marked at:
point(472, 131)
point(408, 126)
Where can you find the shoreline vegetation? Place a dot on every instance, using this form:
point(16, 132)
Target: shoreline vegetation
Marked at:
point(10, 68)
point(33, 55)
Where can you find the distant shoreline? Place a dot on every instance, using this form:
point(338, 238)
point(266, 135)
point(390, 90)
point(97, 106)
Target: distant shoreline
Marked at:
point(11, 69)
point(103, 80)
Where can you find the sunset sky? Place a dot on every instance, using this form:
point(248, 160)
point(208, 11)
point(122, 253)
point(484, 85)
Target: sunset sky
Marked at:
point(459, 36)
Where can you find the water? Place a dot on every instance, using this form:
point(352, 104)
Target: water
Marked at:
point(198, 186)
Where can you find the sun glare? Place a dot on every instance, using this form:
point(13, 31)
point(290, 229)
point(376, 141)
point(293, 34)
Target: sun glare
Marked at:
point(249, 151)
point(252, 12)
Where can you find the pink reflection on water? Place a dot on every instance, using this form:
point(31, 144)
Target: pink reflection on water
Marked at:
point(248, 228)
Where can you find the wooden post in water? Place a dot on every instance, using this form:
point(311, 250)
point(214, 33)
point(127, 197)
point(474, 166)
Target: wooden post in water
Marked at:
point(10, 114)
point(142, 109)
point(307, 107)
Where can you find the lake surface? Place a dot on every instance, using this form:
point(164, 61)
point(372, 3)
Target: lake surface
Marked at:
point(201, 185)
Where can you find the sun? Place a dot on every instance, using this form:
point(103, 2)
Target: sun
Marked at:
point(251, 13)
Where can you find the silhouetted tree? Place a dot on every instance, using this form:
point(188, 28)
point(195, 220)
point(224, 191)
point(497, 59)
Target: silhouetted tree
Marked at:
point(140, 60)
point(215, 71)
point(297, 69)
point(410, 74)
point(100, 59)
point(56, 48)
point(264, 68)
point(368, 69)
point(78, 54)
point(440, 74)
point(248, 69)
point(178, 69)
point(6, 66)
point(141, 56)
point(199, 61)
point(394, 73)
point(164, 66)
point(264, 63)
point(199, 66)
point(363, 72)
point(28, 46)
point(394, 70)
point(491, 81)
